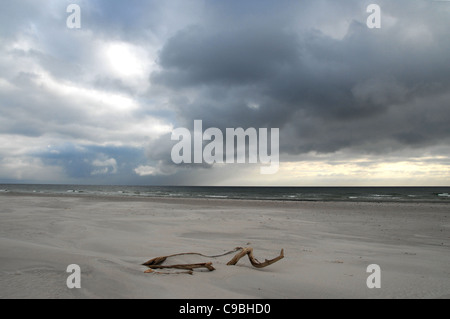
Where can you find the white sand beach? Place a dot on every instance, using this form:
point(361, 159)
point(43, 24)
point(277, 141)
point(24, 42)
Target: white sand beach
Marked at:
point(328, 247)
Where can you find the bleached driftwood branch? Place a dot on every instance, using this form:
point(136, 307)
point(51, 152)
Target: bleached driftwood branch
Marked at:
point(255, 263)
point(184, 266)
point(160, 260)
point(156, 263)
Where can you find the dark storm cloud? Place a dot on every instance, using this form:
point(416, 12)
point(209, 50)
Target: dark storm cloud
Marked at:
point(236, 57)
point(372, 89)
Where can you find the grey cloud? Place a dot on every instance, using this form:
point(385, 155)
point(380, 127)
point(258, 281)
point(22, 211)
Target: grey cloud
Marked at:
point(89, 162)
point(195, 56)
point(369, 89)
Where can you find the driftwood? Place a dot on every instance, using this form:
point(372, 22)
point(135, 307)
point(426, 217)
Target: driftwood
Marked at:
point(148, 271)
point(160, 260)
point(255, 263)
point(185, 266)
point(156, 263)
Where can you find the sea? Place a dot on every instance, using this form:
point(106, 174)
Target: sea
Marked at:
point(349, 194)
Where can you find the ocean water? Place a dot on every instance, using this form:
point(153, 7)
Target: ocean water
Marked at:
point(355, 194)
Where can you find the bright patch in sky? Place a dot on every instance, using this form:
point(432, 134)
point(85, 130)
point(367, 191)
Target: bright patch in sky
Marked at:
point(126, 59)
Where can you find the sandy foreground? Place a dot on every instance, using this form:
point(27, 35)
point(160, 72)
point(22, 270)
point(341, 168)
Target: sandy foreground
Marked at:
point(328, 247)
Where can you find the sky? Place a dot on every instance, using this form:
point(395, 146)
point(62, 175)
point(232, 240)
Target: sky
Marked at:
point(355, 106)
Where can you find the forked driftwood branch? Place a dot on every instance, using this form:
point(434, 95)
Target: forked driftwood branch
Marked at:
point(255, 263)
point(156, 263)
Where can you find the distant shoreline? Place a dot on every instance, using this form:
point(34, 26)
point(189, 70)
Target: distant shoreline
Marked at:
point(219, 201)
